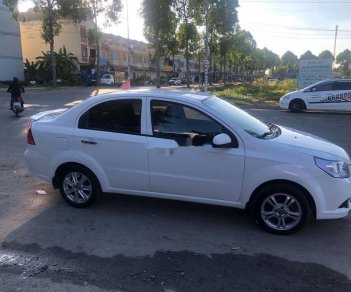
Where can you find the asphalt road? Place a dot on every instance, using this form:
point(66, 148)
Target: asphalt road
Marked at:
point(126, 243)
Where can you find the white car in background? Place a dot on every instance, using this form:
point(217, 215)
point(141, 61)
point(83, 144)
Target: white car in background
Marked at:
point(107, 79)
point(191, 147)
point(175, 81)
point(334, 94)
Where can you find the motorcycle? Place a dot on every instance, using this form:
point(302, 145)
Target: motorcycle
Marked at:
point(17, 106)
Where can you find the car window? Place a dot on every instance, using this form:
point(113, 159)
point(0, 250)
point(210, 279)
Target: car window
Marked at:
point(342, 85)
point(323, 87)
point(182, 123)
point(121, 116)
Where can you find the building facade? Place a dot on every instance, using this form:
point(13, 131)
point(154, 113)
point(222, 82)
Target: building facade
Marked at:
point(78, 39)
point(10, 47)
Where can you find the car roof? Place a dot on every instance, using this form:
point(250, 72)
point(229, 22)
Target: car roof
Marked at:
point(332, 80)
point(180, 95)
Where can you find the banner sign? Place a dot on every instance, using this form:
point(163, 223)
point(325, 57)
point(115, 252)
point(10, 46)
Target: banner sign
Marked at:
point(312, 71)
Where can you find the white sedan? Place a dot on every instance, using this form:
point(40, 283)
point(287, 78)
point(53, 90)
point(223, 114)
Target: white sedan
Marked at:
point(190, 147)
point(334, 94)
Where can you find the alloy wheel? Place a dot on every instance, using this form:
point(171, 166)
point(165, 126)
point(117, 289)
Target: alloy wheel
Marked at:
point(77, 187)
point(281, 211)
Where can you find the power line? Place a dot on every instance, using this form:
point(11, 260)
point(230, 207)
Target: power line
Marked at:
point(298, 28)
point(295, 2)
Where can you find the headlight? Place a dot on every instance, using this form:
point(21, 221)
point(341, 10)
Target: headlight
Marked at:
point(284, 97)
point(337, 169)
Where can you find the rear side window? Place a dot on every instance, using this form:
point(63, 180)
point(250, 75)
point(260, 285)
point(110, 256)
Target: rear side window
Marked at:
point(120, 116)
point(342, 85)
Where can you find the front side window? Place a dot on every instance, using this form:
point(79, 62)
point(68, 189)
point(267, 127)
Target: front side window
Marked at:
point(120, 116)
point(323, 87)
point(184, 124)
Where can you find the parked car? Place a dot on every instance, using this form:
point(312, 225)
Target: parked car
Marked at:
point(190, 147)
point(107, 79)
point(175, 81)
point(332, 94)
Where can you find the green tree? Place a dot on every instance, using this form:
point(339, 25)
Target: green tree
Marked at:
point(243, 49)
point(308, 55)
point(326, 55)
point(223, 19)
point(344, 60)
point(290, 61)
point(66, 63)
point(270, 59)
point(188, 41)
point(30, 70)
point(159, 21)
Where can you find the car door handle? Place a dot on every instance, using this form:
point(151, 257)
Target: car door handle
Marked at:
point(88, 142)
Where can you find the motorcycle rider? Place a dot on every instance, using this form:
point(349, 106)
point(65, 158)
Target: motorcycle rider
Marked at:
point(15, 88)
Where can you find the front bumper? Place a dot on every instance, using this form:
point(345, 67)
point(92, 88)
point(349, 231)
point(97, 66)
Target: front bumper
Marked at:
point(284, 103)
point(332, 196)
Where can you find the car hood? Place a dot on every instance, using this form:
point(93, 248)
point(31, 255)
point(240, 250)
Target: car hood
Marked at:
point(309, 144)
point(293, 92)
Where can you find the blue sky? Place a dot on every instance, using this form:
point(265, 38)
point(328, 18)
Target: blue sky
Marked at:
point(295, 25)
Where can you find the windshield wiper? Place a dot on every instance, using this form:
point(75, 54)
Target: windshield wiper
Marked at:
point(265, 134)
point(272, 130)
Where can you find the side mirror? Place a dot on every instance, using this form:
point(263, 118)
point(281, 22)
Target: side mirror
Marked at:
point(221, 141)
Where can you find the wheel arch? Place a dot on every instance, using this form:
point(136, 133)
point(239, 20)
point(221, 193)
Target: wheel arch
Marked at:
point(256, 192)
point(67, 165)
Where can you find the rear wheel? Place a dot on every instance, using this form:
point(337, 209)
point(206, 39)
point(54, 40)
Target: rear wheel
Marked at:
point(297, 106)
point(78, 186)
point(281, 209)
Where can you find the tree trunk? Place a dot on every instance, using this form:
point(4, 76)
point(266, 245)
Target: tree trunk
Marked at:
point(53, 63)
point(187, 72)
point(157, 43)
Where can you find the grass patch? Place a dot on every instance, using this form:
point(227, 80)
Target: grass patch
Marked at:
point(258, 92)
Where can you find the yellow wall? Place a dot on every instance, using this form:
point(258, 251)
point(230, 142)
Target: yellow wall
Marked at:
point(33, 45)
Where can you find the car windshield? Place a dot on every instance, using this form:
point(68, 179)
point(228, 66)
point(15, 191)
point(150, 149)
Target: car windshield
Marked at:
point(248, 123)
point(106, 76)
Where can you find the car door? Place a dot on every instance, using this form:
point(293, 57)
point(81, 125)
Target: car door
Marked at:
point(317, 96)
point(109, 136)
point(182, 160)
point(341, 95)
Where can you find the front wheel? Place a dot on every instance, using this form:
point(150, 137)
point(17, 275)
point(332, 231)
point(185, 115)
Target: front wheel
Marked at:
point(78, 186)
point(281, 209)
point(297, 106)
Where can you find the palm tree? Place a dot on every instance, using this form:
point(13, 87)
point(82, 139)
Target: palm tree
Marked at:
point(30, 70)
point(66, 63)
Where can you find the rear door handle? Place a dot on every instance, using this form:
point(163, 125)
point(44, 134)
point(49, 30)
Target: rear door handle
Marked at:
point(88, 142)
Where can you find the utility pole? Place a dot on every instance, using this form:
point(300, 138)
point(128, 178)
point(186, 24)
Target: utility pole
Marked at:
point(206, 49)
point(128, 56)
point(336, 35)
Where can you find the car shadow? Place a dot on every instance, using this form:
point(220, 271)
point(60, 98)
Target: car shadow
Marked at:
point(139, 226)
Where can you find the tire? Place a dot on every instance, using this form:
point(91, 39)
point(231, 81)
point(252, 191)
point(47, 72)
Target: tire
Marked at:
point(16, 113)
point(297, 106)
point(79, 187)
point(281, 209)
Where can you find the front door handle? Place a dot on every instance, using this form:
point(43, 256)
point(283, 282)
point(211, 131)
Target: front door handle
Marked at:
point(88, 142)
